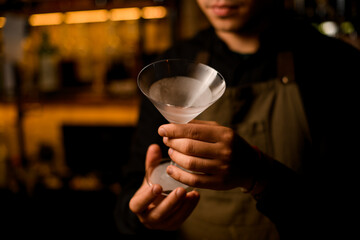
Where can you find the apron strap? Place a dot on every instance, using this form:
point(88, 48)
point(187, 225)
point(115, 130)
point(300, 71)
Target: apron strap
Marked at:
point(285, 67)
point(202, 57)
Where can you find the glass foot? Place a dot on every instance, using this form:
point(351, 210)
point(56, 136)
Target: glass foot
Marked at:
point(159, 176)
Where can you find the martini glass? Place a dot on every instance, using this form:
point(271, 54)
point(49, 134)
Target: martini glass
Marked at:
point(180, 90)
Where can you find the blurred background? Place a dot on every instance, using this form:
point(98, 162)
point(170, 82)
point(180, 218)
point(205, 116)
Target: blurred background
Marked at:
point(69, 100)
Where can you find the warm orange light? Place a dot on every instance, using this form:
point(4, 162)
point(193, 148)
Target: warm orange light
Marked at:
point(92, 16)
point(2, 21)
point(45, 19)
point(154, 12)
point(122, 14)
point(86, 16)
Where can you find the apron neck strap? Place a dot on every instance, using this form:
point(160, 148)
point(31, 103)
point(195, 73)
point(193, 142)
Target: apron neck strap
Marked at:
point(202, 57)
point(285, 67)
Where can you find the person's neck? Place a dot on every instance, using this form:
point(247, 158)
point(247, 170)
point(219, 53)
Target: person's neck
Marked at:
point(240, 43)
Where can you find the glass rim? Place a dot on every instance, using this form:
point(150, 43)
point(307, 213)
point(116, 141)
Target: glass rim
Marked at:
point(180, 60)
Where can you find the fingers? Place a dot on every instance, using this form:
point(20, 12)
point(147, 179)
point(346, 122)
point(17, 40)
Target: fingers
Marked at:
point(197, 164)
point(193, 180)
point(200, 149)
point(147, 194)
point(209, 132)
point(196, 148)
point(174, 221)
point(167, 206)
point(153, 156)
point(159, 212)
point(216, 182)
point(201, 140)
point(213, 123)
point(170, 216)
point(225, 159)
point(144, 197)
point(202, 132)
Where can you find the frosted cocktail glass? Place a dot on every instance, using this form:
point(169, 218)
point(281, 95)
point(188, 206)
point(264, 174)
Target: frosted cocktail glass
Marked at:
point(180, 90)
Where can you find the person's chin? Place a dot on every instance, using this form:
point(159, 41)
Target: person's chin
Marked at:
point(228, 26)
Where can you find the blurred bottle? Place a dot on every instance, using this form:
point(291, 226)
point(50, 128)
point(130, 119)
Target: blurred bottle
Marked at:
point(13, 34)
point(49, 59)
point(2, 71)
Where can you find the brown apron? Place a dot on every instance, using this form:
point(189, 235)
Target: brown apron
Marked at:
point(269, 115)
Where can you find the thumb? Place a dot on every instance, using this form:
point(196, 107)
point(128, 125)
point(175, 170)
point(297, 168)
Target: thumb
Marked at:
point(153, 157)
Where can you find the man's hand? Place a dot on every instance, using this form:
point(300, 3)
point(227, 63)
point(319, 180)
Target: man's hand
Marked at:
point(223, 157)
point(157, 211)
